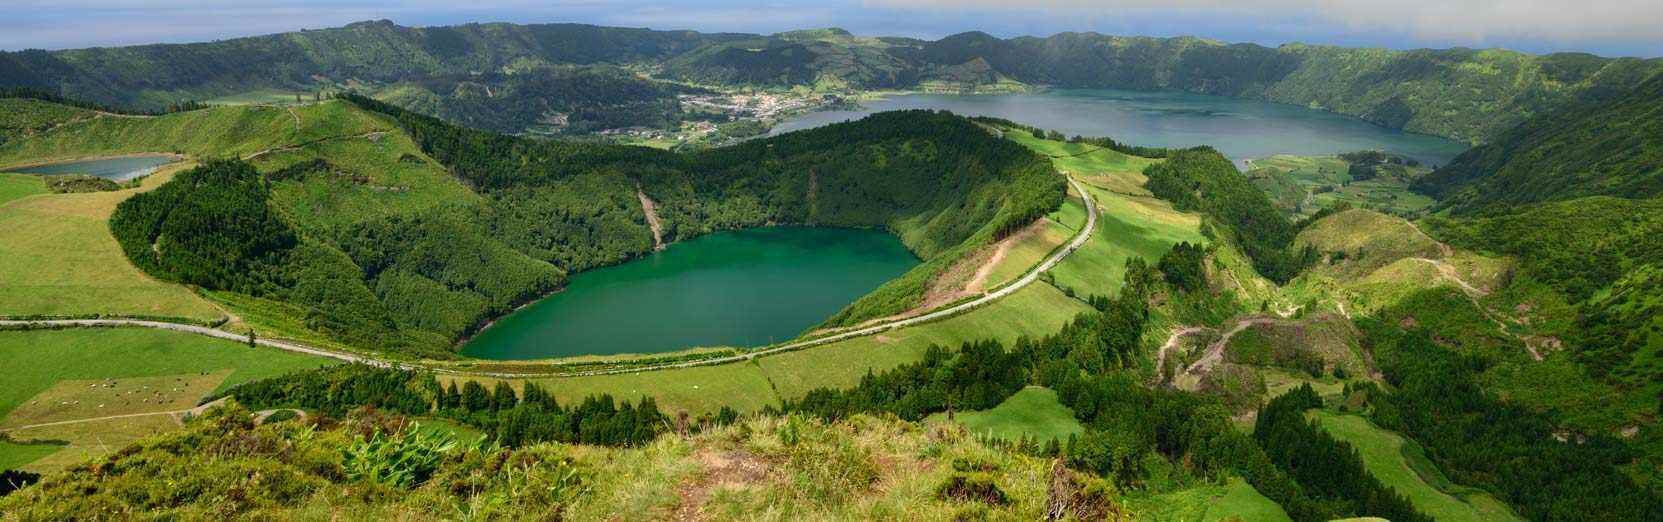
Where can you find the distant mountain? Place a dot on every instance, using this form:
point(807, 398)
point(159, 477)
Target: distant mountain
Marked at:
point(1465, 94)
point(1613, 148)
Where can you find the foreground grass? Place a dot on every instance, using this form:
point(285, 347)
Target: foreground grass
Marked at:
point(60, 259)
point(769, 468)
point(1397, 464)
point(1032, 413)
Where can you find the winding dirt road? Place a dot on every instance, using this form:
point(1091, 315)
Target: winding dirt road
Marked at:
point(1022, 282)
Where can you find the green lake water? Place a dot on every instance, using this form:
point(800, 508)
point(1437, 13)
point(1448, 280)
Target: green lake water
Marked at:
point(741, 288)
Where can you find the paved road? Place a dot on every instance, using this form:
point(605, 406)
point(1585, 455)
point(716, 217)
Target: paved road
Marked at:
point(1022, 282)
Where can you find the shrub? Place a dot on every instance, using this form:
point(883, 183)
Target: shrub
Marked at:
point(402, 459)
point(972, 487)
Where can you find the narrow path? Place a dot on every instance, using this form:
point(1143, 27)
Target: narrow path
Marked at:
point(96, 419)
point(1022, 282)
point(978, 281)
point(1215, 351)
point(297, 146)
point(1172, 342)
point(296, 116)
point(1473, 293)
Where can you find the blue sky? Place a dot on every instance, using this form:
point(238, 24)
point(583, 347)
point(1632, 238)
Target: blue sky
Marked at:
point(1607, 27)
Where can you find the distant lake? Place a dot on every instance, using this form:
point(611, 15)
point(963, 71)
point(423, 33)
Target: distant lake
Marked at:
point(117, 169)
point(742, 288)
point(1241, 129)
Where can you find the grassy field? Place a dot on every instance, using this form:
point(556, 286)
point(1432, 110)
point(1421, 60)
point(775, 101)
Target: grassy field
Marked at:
point(1033, 412)
point(1397, 464)
point(213, 132)
point(77, 399)
point(1082, 159)
point(1034, 311)
point(376, 177)
point(15, 455)
point(37, 360)
point(1126, 226)
point(1302, 185)
point(1235, 500)
point(74, 374)
point(16, 186)
point(22, 117)
point(85, 440)
point(60, 259)
point(1130, 223)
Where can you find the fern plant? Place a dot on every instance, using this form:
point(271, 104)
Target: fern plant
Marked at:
point(401, 459)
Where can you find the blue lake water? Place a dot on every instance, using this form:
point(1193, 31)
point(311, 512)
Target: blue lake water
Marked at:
point(1241, 129)
point(117, 169)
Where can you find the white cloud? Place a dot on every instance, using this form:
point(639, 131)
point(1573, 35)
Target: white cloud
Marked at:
point(1468, 21)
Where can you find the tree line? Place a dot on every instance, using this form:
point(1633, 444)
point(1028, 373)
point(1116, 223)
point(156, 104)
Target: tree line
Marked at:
point(512, 418)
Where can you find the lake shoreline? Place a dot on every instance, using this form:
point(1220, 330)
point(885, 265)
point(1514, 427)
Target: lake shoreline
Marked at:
point(737, 288)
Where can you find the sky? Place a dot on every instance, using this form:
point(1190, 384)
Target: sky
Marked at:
point(1605, 27)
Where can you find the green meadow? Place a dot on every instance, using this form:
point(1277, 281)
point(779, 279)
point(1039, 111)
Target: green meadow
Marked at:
point(1032, 413)
point(53, 376)
point(61, 260)
point(1302, 185)
point(18, 186)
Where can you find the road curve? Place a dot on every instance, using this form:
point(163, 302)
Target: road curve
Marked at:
point(1026, 279)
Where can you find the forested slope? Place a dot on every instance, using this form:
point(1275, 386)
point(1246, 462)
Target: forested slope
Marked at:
point(1613, 148)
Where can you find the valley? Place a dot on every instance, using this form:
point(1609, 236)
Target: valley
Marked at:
point(577, 272)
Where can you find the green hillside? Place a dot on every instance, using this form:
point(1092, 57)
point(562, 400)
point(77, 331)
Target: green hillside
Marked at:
point(1613, 148)
point(381, 228)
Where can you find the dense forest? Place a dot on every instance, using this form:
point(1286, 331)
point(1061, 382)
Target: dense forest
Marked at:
point(551, 99)
point(1612, 148)
point(1202, 180)
point(1601, 254)
point(1481, 440)
point(1459, 93)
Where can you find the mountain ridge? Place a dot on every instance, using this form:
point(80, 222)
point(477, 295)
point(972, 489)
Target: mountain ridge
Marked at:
point(1460, 93)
